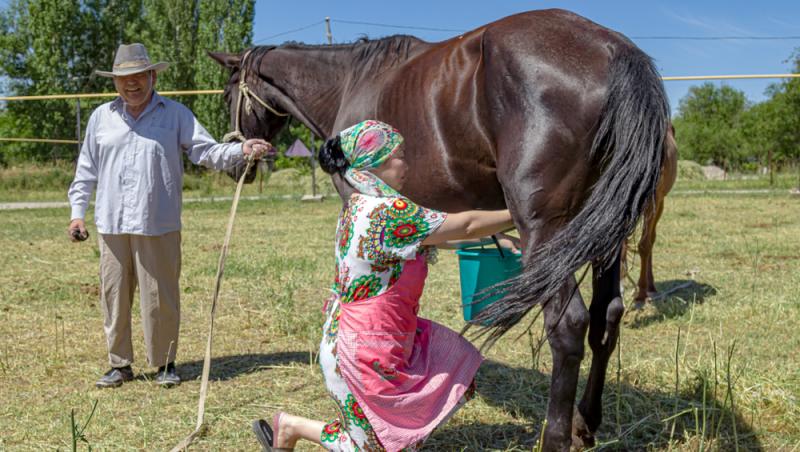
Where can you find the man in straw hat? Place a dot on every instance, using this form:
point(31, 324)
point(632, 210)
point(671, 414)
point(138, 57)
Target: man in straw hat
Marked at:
point(133, 155)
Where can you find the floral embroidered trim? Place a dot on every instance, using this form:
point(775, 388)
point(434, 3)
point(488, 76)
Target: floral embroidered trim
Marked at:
point(356, 414)
point(345, 231)
point(330, 432)
point(363, 287)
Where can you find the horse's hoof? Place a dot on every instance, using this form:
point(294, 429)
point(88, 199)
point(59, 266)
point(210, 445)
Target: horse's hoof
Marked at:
point(582, 437)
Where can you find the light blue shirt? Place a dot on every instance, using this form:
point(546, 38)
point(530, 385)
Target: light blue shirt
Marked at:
point(137, 166)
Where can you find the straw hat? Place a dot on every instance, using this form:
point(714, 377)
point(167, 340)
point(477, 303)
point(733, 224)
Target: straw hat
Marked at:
point(132, 59)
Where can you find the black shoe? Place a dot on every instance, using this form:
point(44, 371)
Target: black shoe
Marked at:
point(264, 434)
point(167, 377)
point(115, 377)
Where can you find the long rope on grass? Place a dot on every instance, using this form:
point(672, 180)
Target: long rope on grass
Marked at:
point(201, 406)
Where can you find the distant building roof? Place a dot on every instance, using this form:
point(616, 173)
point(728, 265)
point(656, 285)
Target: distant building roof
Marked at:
point(297, 149)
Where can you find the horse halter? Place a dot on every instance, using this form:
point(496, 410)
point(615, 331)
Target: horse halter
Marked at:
point(248, 95)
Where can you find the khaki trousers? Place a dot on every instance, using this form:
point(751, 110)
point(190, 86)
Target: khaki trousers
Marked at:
point(154, 264)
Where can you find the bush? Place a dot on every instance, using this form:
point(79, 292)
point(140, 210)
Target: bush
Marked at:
point(37, 177)
point(293, 180)
point(689, 170)
point(288, 178)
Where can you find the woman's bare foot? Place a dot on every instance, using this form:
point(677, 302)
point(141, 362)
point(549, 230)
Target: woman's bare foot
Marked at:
point(282, 429)
point(285, 430)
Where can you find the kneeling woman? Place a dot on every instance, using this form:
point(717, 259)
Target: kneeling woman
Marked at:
point(394, 376)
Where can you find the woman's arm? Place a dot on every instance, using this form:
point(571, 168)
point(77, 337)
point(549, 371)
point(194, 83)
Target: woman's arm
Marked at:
point(505, 241)
point(471, 224)
point(464, 243)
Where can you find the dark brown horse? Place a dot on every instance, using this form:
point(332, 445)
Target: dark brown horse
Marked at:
point(559, 119)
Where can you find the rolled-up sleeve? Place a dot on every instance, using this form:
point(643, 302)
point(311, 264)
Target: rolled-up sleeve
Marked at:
point(202, 149)
point(80, 191)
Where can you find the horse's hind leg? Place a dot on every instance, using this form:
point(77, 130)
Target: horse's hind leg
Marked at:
point(544, 180)
point(566, 320)
point(605, 313)
point(647, 284)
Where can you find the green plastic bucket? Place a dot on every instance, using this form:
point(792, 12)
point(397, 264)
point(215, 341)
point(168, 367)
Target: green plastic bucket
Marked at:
point(480, 268)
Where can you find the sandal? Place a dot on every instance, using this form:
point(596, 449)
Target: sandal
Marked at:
point(266, 436)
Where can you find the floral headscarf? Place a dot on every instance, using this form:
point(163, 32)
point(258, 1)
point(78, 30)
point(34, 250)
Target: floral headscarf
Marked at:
point(367, 145)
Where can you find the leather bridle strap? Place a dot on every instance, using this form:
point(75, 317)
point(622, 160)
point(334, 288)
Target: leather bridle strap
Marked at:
point(248, 95)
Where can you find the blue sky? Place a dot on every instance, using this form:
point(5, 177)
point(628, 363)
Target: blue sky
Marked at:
point(636, 19)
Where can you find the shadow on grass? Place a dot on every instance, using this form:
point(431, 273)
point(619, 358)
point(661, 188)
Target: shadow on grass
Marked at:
point(481, 436)
point(634, 419)
point(675, 298)
point(228, 367)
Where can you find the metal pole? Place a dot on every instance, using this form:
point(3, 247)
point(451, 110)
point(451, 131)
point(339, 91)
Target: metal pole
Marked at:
point(78, 122)
point(314, 148)
point(313, 167)
point(328, 30)
point(261, 176)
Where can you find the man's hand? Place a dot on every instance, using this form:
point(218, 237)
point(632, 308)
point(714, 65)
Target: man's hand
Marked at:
point(257, 148)
point(77, 230)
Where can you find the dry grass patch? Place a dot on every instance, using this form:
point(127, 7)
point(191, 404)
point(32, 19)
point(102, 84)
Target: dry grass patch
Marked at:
point(738, 375)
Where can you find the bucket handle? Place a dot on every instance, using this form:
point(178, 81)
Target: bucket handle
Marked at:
point(499, 248)
point(496, 243)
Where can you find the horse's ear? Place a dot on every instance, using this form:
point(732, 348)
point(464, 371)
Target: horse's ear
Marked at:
point(228, 60)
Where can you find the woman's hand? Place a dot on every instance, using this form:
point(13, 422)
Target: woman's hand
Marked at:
point(470, 225)
point(509, 242)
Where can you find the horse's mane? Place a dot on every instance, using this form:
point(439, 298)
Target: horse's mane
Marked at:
point(367, 53)
point(389, 50)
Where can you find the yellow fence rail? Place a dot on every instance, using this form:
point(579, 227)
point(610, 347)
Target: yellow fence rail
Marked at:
point(40, 140)
point(727, 77)
point(99, 95)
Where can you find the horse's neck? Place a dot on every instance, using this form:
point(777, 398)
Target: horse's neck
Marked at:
point(319, 78)
point(314, 81)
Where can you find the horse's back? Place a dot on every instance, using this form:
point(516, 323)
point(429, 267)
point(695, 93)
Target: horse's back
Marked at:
point(551, 59)
point(548, 57)
point(556, 35)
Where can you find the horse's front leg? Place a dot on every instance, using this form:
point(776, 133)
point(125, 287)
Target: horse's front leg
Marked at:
point(566, 320)
point(605, 312)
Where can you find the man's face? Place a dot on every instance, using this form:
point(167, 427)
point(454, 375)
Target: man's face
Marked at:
point(135, 89)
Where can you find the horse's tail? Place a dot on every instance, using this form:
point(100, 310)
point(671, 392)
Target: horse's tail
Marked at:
point(629, 145)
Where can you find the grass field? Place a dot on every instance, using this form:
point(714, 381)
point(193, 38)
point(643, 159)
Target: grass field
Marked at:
point(733, 378)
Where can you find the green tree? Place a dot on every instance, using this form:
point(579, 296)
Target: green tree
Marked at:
point(708, 125)
point(53, 46)
point(170, 34)
point(224, 26)
point(786, 127)
point(759, 129)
